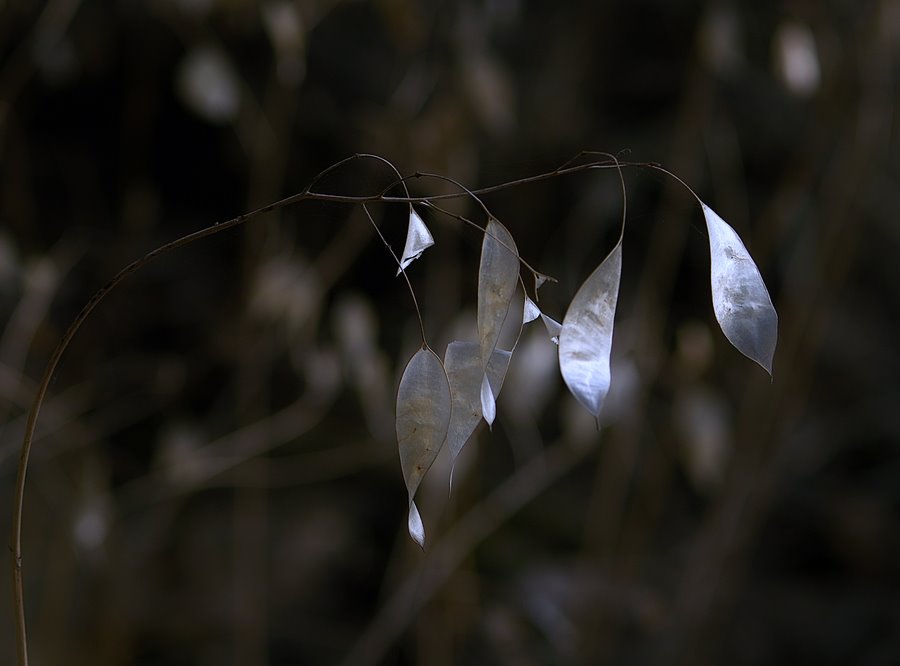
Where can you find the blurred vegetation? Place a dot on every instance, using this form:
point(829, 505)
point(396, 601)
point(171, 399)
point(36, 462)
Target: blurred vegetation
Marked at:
point(216, 478)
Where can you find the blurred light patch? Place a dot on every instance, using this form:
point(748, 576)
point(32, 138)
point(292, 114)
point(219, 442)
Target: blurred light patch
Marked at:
point(503, 13)
point(320, 366)
point(284, 26)
point(285, 290)
point(490, 92)
point(9, 263)
point(624, 391)
point(56, 59)
point(91, 525)
point(797, 59)
point(721, 40)
point(533, 376)
point(208, 86)
point(40, 276)
point(355, 324)
point(179, 455)
point(889, 21)
point(694, 350)
point(196, 8)
point(702, 422)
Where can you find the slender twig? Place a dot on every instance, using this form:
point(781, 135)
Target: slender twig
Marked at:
point(467, 221)
point(624, 202)
point(31, 423)
point(456, 183)
point(412, 292)
point(518, 182)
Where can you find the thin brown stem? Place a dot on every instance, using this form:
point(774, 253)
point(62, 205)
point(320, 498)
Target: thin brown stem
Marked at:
point(475, 225)
point(412, 292)
point(31, 423)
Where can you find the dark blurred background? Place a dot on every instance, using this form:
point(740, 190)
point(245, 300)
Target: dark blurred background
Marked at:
point(215, 479)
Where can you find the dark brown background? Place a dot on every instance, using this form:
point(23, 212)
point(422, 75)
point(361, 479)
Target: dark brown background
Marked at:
point(216, 479)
